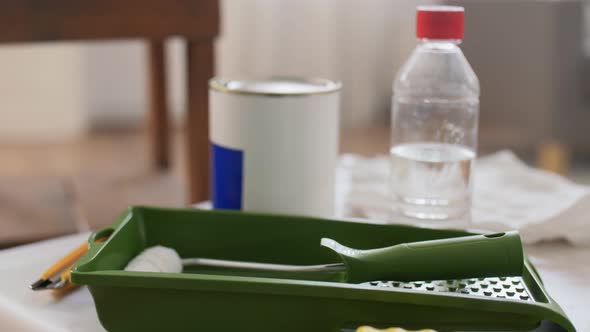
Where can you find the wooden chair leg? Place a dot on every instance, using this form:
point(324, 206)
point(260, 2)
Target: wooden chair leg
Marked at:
point(158, 113)
point(200, 67)
point(553, 156)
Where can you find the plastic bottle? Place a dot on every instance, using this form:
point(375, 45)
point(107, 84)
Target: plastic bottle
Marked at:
point(434, 124)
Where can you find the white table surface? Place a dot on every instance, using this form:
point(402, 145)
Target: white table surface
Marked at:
point(564, 269)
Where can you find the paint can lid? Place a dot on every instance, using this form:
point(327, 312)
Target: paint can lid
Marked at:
point(277, 86)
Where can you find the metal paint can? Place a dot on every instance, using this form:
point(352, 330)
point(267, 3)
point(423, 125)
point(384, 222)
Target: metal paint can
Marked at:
point(274, 144)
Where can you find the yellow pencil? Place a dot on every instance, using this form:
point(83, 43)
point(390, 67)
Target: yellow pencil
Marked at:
point(62, 268)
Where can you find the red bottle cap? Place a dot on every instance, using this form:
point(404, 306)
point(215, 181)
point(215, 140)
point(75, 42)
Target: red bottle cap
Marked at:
point(439, 22)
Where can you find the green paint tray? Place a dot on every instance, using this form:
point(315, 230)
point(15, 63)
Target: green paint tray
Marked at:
point(205, 301)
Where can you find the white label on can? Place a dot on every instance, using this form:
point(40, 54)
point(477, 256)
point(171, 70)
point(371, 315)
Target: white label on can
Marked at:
point(288, 147)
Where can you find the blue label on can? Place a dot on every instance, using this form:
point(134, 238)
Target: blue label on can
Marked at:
point(226, 174)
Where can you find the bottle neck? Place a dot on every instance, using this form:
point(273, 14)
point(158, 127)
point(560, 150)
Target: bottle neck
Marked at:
point(440, 41)
point(439, 44)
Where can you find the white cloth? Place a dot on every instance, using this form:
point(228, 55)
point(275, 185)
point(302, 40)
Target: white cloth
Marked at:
point(507, 195)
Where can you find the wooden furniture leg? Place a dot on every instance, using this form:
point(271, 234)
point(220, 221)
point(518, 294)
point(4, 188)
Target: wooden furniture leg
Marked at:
point(158, 113)
point(200, 67)
point(553, 156)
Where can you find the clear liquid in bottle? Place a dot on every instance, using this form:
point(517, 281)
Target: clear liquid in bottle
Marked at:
point(431, 181)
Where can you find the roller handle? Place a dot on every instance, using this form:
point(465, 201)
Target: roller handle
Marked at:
point(478, 256)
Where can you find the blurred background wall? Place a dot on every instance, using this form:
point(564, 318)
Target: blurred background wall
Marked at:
point(42, 95)
point(529, 55)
